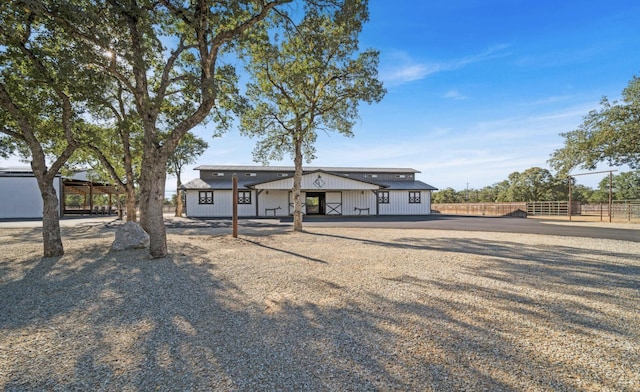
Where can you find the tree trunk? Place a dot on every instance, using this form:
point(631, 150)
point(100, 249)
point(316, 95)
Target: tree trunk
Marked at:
point(178, 195)
point(52, 239)
point(132, 213)
point(152, 184)
point(297, 183)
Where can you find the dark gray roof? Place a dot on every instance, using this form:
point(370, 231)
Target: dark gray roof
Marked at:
point(245, 168)
point(198, 184)
point(225, 184)
point(18, 171)
point(408, 186)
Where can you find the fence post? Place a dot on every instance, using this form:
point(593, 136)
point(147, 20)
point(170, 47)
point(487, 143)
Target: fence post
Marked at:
point(600, 212)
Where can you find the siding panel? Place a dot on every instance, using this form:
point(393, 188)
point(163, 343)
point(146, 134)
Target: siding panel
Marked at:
point(399, 204)
point(21, 198)
point(358, 199)
point(275, 199)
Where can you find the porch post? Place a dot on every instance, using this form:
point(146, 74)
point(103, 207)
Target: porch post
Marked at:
point(235, 205)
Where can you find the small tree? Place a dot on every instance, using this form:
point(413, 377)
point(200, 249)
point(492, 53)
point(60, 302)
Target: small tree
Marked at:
point(189, 149)
point(114, 150)
point(309, 78)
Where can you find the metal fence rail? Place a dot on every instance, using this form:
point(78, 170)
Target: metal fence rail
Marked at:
point(620, 209)
point(553, 208)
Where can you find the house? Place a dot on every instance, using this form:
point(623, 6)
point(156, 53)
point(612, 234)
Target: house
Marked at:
point(266, 191)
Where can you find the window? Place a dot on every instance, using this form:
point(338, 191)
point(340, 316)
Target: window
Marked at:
point(370, 176)
point(244, 197)
point(414, 197)
point(400, 176)
point(250, 174)
point(283, 174)
point(205, 197)
point(383, 197)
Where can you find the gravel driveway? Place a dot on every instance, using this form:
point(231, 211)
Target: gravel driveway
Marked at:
point(330, 309)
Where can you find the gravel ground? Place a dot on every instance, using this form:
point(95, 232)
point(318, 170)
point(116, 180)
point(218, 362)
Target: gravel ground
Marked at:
point(327, 309)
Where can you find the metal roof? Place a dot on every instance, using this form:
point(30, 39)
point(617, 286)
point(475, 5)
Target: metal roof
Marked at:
point(18, 171)
point(198, 184)
point(408, 186)
point(242, 168)
point(226, 184)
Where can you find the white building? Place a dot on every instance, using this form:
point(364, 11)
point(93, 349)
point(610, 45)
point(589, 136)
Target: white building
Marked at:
point(267, 191)
point(20, 197)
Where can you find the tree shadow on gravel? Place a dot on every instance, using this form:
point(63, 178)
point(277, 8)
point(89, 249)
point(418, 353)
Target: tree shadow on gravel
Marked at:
point(34, 235)
point(98, 320)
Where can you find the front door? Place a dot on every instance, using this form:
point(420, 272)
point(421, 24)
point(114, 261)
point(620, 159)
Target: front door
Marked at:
point(315, 203)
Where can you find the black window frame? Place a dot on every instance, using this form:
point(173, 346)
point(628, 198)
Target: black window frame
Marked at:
point(207, 198)
point(415, 197)
point(383, 197)
point(243, 198)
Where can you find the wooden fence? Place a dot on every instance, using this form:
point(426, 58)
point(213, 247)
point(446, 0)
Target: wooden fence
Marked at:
point(620, 209)
point(485, 209)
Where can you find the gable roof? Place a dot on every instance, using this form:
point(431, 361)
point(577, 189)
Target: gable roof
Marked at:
point(330, 181)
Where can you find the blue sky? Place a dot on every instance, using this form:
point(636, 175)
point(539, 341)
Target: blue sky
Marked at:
point(477, 89)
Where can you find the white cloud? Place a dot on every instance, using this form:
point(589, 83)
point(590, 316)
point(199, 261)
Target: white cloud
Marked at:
point(408, 73)
point(403, 68)
point(454, 94)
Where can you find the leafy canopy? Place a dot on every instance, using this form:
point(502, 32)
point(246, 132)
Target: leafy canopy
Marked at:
point(309, 77)
point(611, 134)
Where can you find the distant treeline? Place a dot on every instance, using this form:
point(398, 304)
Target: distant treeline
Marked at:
point(538, 184)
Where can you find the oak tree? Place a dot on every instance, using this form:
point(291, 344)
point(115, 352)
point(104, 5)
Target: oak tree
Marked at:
point(306, 78)
point(41, 95)
point(170, 56)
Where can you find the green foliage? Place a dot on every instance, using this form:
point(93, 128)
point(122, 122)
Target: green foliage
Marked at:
point(537, 184)
point(534, 184)
point(188, 150)
point(626, 186)
point(447, 195)
point(309, 78)
point(610, 134)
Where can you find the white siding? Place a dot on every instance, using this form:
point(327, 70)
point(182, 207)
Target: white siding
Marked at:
point(399, 204)
point(333, 201)
point(361, 199)
point(20, 197)
point(274, 199)
point(222, 206)
point(358, 199)
point(325, 182)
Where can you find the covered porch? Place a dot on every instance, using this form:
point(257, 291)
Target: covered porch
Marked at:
point(86, 197)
